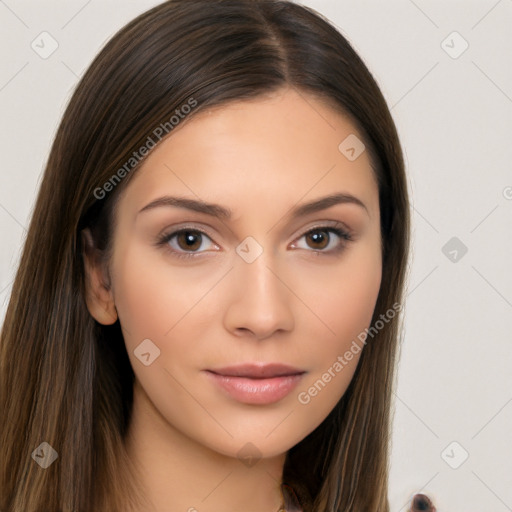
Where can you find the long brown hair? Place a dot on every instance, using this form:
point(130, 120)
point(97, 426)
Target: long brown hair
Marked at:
point(66, 380)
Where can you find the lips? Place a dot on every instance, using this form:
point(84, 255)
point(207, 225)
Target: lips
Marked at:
point(256, 384)
point(258, 371)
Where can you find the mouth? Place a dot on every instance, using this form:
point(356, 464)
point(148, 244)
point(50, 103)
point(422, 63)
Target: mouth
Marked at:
point(257, 384)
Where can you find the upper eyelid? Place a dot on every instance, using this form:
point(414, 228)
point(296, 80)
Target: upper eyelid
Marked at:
point(318, 224)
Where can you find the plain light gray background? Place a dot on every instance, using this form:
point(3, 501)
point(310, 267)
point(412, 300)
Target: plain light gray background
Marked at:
point(453, 110)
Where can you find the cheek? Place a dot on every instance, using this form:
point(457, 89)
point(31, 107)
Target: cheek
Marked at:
point(344, 304)
point(152, 297)
point(343, 297)
point(353, 301)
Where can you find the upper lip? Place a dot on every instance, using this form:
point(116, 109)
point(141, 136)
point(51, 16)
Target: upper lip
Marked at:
point(257, 370)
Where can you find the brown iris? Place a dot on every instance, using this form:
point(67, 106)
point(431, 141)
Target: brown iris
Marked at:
point(319, 237)
point(191, 239)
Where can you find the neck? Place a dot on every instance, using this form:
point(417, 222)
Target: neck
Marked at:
point(182, 475)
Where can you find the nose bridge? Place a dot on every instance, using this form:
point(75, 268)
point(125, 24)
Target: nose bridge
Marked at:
point(256, 267)
point(260, 276)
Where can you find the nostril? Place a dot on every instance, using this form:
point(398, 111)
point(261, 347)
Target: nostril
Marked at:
point(422, 503)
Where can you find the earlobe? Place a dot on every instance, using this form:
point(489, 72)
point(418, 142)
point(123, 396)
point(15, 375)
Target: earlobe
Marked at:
point(98, 294)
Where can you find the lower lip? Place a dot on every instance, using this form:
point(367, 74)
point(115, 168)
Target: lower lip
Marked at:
point(256, 391)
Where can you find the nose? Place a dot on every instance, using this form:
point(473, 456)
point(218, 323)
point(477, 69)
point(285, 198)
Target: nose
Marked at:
point(260, 298)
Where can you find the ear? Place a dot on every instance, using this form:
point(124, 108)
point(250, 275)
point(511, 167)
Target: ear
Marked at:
point(99, 297)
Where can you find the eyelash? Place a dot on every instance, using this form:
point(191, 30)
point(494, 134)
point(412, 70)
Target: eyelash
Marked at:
point(344, 235)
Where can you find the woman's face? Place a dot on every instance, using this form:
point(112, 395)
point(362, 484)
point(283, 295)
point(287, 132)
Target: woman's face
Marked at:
point(253, 287)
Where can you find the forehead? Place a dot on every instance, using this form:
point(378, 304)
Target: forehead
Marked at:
point(280, 147)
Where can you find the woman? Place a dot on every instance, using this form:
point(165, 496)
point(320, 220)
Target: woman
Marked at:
point(148, 375)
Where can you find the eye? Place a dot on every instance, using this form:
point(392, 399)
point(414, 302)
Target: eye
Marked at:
point(321, 238)
point(186, 239)
point(186, 242)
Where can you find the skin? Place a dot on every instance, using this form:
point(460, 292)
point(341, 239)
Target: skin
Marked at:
point(292, 304)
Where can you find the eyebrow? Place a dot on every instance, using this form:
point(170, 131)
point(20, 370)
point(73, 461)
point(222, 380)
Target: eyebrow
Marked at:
point(221, 212)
